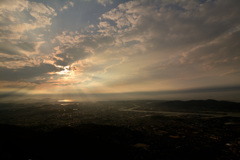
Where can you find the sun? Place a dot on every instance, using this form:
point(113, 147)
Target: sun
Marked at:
point(66, 70)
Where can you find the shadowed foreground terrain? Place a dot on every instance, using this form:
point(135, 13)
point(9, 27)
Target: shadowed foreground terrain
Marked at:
point(121, 130)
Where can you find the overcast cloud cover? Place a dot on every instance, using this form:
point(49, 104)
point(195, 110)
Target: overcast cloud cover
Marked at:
point(109, 46)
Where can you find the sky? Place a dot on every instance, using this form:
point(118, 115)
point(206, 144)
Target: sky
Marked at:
point(120, 49)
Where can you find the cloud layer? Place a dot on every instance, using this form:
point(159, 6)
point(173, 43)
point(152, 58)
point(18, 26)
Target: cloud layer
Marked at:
point(133, 46)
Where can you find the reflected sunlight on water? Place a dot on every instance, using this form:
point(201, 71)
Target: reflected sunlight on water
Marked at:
point(65, 100)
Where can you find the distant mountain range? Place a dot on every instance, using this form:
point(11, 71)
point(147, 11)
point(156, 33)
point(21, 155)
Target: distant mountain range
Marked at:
point(192, 106)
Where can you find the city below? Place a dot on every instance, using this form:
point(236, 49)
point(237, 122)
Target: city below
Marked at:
point(146, 129)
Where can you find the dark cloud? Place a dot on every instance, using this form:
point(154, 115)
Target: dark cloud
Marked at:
point(26, 73)
point(8, 48)
point(15, 48)
point(13, 58)
point(27, 46)
point(71, 55)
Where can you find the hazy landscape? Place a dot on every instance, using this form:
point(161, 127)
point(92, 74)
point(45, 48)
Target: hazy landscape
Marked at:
point(198, 129)
point(120, 79)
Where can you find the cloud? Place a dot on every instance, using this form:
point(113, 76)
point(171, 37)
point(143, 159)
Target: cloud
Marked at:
point(23, 16)
point(164, 24)
point(71, 55)
point(106, 29)
point(7, 48)
point(136, 46)
point(22, 21)
point(67, 5)
point(124, 16)
point(74, 46)
point(105, 2)
point(19, 54)
point(219, 55)
point(20, 41)
point(13, 5)
point(69, 38)
point(26, 73)
point(182, 42)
